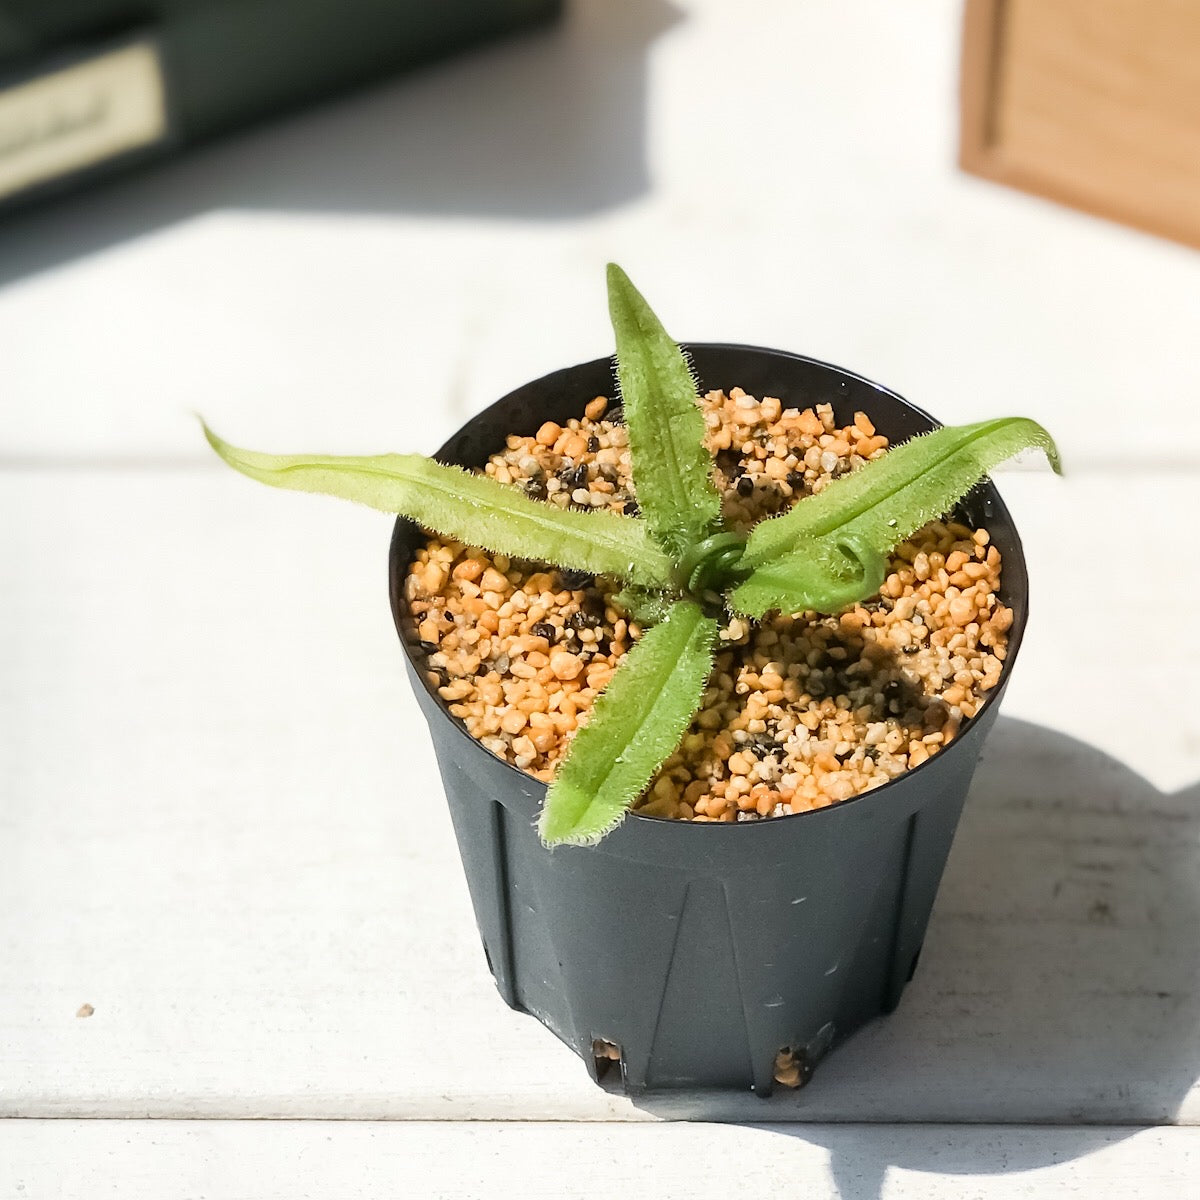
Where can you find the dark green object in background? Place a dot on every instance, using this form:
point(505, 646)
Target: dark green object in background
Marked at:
point(91, 86)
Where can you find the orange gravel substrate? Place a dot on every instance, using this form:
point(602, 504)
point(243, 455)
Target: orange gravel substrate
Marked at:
point(801, 711)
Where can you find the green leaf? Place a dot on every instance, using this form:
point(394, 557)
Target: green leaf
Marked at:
point(827, 548)
point(645, 606)
point(827, 576)
point(672, 469)
point(473, 509)
point(636, 724)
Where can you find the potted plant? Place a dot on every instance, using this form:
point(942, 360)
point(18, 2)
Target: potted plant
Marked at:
point(707, 680)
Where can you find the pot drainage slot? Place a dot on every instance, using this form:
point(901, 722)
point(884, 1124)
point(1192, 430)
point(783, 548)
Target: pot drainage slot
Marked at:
point(792, 1069)
point(794, 1065)
point(606, 1055)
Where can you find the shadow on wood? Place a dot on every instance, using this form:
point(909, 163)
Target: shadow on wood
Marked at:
point(1059, 979)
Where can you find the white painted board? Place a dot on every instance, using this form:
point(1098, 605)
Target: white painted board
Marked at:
point(221, 827)
point(316, 1160)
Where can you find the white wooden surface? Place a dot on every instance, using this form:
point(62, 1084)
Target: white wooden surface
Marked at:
point(220, 822)
point(317, 1160)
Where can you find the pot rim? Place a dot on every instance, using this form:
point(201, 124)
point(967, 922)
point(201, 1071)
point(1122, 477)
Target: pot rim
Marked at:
point(1000, 516)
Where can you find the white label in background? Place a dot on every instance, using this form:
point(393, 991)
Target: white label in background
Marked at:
point(79, 116)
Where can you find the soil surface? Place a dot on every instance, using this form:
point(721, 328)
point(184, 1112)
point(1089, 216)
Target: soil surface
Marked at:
point(802, 711)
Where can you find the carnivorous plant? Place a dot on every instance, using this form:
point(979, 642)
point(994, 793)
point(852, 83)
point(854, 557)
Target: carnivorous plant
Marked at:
point(680, 567)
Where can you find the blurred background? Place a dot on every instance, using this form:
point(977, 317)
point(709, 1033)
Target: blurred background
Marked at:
point(311, 219)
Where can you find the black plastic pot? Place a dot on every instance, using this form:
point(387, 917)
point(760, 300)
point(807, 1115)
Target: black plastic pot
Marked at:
point(701, 950)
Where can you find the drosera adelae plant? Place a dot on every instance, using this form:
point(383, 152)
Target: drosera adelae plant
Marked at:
point(681, 568)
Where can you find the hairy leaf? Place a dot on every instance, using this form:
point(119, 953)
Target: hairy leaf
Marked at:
point(827, 548)
point(672, 469)
point(473, 509)
point(636, 724)
point(827, 576)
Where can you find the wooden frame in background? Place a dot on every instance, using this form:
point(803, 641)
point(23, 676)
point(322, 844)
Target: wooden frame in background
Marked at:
point(1093, 103)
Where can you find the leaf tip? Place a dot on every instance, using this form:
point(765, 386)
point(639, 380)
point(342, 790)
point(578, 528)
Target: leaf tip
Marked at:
point(1053, 456)
point(1040, 437)
point(555, 829)
point(621, 292)
point(222, 448)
